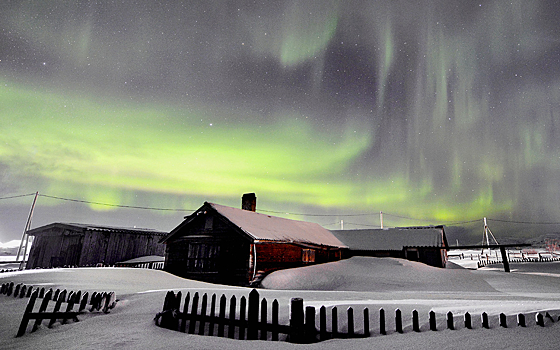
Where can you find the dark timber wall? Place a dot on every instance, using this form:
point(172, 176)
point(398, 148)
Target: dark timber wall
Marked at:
point(211, 250)
point(63, 245)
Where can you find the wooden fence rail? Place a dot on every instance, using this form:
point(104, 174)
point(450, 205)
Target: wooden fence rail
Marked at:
point(97, 302)
point(197, 317)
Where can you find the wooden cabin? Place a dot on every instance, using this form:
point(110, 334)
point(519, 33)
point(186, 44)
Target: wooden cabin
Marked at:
point(59, 244)
point(425, 244)
point(226, 245)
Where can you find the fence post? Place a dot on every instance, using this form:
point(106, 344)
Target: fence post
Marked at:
point(398, 321)
point(56, 293)
point(415, 322)
point(382, 329)
point(485, 320)
point(242, 318)
point(540, 319)
point(334, 321)
point(93, 300)
point(23, 291)
point(110, 301)
point(28, 310)
point(322, 323)
point(60, 298)
point(433, 326)
point(296, 321)
point(194, 313)
point(29, 291)
point(253, 315)
point(310, 324)
point(275, 320)
point(212, 315)
point(366, 322)
point(166, 317)
point(185, 315)
point(503, 320)
point(450, 323)
point(202, 324)
point(231, 323)
point(42, 308)
point(78, 297)
point(468, 322)
point(521, 320)
point(83, 302)
point(264, 319)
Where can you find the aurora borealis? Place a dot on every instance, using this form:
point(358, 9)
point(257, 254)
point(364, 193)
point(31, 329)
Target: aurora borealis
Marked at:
point(444, 111)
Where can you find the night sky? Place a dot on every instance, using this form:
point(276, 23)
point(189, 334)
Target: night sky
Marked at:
point(439, 111)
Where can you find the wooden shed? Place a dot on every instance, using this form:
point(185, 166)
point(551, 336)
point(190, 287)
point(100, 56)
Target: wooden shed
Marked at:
point(233, 246)
point(420, 243)
point(60, 244)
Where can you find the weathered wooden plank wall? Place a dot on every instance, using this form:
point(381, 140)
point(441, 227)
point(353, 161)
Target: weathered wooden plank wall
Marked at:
point(58, 247)
point(94, 247)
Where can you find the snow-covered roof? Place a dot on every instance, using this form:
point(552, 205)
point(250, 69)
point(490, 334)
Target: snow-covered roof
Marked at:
point(263, 227)
point(144, 259)
point(272, 228)
point(74, 226)
point(392, 238)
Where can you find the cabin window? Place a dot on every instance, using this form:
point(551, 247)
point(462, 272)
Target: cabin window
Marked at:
point(308, 255)
point(203, 257)
point(209, 222)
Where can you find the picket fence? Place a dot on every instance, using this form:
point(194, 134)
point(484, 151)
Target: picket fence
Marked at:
point(302, 323)
point(98, 302)
point(301, 328)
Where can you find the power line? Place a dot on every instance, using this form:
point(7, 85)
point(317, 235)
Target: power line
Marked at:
point(462, 222)
point(304, 214)
point(284, 212)
point(365, 225)
point(18, 196)
point(113, 205)
point(525, 222)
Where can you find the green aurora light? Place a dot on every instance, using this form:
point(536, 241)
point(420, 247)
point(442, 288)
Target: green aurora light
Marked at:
point(149, 148)
point(442, 111)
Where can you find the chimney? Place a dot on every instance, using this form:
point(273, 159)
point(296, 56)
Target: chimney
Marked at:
point(249, 202)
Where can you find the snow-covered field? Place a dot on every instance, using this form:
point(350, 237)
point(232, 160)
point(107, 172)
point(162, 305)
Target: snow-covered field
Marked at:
point(357, 282)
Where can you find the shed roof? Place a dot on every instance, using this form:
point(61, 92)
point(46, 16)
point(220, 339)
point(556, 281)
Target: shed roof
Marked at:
point(84, 227)
point(262, 227)
point(143, 259)
point(392, 238)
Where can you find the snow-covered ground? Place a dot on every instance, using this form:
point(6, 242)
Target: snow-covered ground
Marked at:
point(357, 282)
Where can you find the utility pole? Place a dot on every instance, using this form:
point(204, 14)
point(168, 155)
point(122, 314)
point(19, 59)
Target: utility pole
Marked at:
point(381, 218)
point(25, 236)
point(487, 233)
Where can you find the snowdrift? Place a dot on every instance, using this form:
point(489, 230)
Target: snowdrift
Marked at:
point(376, 275)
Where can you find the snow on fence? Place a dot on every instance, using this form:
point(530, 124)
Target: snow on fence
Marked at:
point(302, 326)
point(153, 265)
point(98, 302)
point(513, 257)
